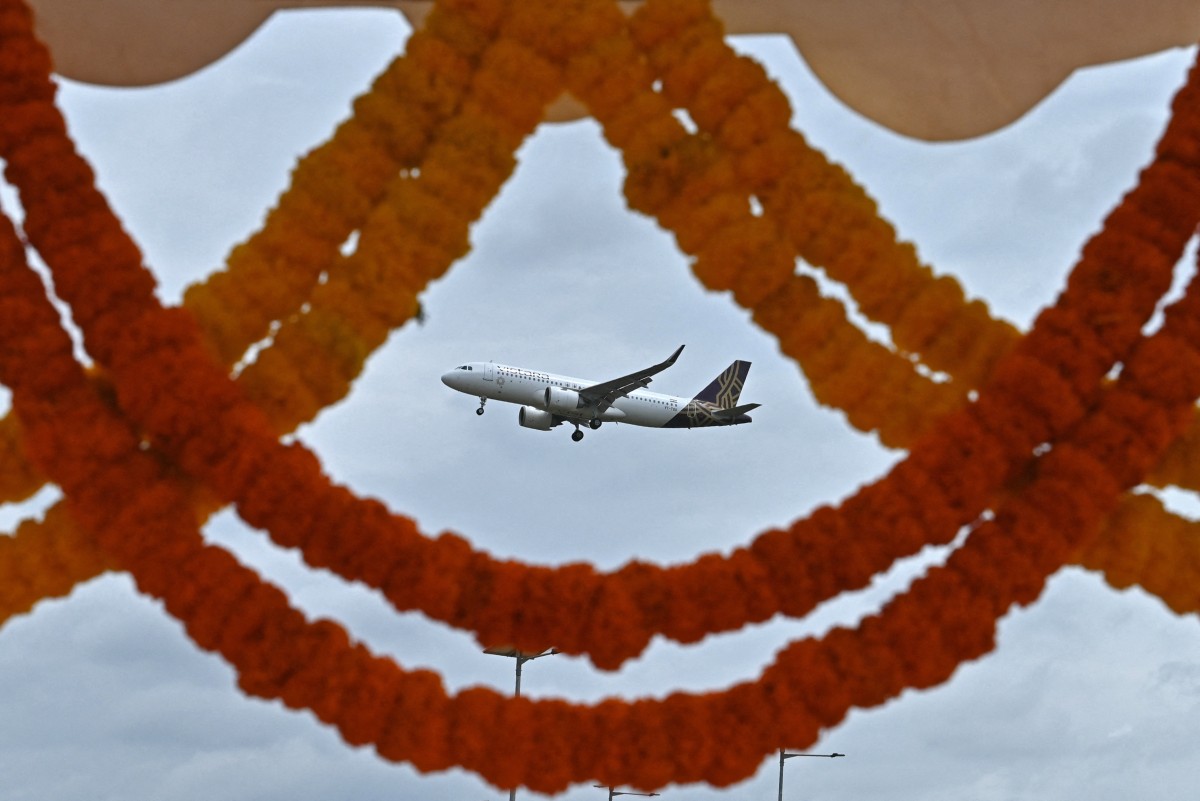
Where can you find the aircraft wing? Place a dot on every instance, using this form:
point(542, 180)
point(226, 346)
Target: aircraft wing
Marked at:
point(602, 395)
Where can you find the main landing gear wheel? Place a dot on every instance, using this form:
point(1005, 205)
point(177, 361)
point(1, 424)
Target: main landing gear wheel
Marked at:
point(594, 424)
point(482, 401)
point(578, 435)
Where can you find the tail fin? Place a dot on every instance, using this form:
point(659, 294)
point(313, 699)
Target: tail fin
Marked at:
point(726, 388)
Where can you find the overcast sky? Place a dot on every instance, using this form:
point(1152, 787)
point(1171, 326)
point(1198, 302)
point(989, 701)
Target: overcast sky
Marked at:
point(1091, 692)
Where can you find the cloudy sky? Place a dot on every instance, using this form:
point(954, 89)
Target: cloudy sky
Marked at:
point(1090, 691)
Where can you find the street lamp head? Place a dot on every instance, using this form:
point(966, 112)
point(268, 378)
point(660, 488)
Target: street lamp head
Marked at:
point(614, 792)
point(784, 755)
point(510, 651)
point(789, 754)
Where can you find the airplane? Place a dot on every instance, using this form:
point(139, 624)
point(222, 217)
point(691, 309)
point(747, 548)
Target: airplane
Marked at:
point(548, 400)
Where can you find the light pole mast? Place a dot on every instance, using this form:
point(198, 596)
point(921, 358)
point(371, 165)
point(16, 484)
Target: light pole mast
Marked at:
point(521, 657)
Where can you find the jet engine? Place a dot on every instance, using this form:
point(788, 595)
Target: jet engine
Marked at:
point(531, 417)
point(562, 400)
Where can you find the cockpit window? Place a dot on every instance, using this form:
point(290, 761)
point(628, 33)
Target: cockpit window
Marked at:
point(462, 367)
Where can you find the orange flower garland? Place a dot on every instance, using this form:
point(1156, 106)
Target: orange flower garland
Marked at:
point(306, 229)
point(1180, 466)
point(289, 390)
point(349, 688)
point(271, 381)
point(336, 186)
point(682, 181)
point(412, 236)
point(1146, 545)
point(828, 218)
point(45, 560)
point(745, 113)
point(1048, 390)
point(288, 497)
point(18, 478)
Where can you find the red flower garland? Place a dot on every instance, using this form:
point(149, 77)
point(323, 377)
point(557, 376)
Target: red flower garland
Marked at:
point(167, 384)
point(18, 479)
point(1050, 385)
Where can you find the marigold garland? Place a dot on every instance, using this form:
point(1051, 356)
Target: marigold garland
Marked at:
point(756, 94)
point(1048, 389)
point(411, 237)
point(18, 478)
point(273, 273)
point(309, 364)
point(316, 548)
point(1145, 545)
point(681, 180)
point(829, 219)
point(949, 613)
point(1180, 466)
point(749, 116)
point(335, 531)
point(45, 559)
point(335, 187)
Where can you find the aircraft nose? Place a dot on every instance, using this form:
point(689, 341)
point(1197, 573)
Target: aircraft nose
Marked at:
point(452, 379)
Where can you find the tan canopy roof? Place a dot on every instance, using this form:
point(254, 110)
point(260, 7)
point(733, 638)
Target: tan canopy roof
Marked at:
point(931, 69)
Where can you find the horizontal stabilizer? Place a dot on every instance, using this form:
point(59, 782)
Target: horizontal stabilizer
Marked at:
point(735, 412)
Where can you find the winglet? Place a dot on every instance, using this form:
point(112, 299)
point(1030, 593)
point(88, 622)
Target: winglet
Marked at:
point(658, 368)
point(602, 395)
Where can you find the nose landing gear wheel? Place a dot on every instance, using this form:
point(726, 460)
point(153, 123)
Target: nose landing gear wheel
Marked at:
point(578, 435)
point(482, 401)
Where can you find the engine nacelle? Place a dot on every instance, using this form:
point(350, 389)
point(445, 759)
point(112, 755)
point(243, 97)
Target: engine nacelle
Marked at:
point(531, 417)
point(562, 400)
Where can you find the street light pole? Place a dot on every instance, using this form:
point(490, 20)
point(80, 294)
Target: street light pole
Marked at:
point(785, 755)
point(521, 657)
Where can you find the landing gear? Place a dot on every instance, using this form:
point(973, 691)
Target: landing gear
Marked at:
point(594, 424)
point(578, 435)
point(482, 401)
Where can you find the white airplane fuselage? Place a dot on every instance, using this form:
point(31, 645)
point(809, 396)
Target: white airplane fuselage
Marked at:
point(502, 382)
point(548, 400)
